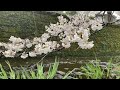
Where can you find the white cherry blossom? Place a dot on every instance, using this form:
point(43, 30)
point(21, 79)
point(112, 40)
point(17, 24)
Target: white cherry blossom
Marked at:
point(24, 55)
point(75, 30)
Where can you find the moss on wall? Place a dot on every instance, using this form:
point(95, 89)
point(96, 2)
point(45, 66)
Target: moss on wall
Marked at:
point(24, 24)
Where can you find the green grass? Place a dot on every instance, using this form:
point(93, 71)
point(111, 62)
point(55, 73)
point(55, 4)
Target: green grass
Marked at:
point(93, 70)
point(89, 70)
point(39, 73)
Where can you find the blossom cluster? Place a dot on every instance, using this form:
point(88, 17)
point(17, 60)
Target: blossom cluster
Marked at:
point(17, 45)
point(76, 29)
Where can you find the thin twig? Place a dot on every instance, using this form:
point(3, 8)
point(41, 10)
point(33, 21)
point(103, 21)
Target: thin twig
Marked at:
point(44, 57)
point(76, 49)
point(41, 59)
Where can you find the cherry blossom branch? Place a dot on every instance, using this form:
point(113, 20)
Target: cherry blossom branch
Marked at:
point(76, 29)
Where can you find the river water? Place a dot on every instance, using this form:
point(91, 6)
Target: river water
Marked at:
point(65, 63)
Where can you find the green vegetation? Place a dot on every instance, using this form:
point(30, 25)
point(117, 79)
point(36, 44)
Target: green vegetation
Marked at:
point(24, 23)
point(95, 71)
point(31, 74)
point(90, 70)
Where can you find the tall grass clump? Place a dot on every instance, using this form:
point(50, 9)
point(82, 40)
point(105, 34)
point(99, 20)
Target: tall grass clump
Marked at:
point(29, 74)
point(93, 70)
point(38, 73)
